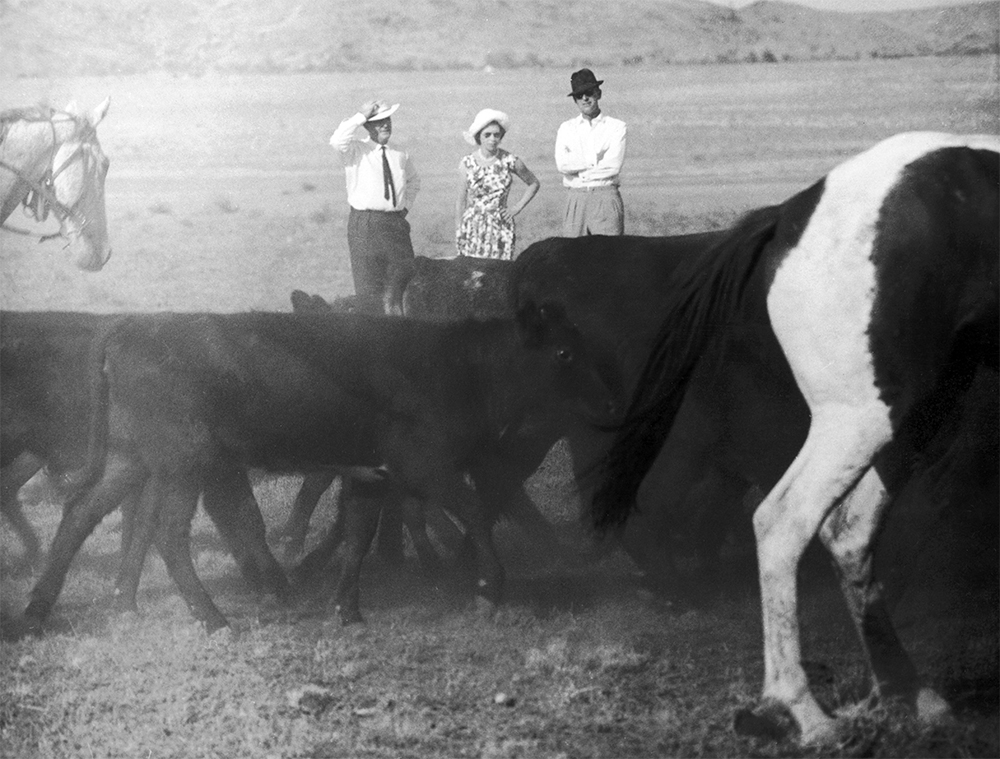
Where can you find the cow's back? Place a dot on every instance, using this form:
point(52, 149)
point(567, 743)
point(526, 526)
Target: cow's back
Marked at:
point(458, 288)
point(290, 391)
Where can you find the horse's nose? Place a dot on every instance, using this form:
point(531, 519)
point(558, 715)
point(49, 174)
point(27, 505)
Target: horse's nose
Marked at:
point(92, 258)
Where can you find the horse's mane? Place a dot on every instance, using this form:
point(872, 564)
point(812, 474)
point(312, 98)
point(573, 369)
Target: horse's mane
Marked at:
point(706, 290)
point(30, 113)
point(37, 114)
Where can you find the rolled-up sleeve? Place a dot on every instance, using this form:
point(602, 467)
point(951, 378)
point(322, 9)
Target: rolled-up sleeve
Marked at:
point(344, 135)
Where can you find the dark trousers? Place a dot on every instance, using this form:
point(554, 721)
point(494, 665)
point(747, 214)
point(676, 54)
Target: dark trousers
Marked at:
point(381, 256)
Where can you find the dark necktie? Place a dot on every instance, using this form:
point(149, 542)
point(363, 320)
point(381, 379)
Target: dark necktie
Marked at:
point(390, 187)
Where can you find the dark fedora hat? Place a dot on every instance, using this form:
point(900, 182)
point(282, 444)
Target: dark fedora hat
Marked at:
point(583, 80)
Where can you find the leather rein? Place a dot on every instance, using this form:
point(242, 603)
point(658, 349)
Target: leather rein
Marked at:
point(41, 198)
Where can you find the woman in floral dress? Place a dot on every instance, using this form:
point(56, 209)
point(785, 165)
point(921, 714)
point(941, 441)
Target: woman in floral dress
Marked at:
point(485, 226)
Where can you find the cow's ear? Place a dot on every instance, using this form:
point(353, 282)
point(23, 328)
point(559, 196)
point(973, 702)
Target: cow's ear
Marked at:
point(300, 300)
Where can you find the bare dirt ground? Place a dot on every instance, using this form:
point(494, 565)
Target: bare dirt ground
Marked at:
point(224, 196)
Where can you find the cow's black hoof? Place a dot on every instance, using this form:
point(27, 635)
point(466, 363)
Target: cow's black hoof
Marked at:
point(349, 617)
point(213, 623)
point(14, 628)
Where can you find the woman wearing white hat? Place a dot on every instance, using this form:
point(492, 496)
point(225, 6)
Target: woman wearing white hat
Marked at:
point(485, 226)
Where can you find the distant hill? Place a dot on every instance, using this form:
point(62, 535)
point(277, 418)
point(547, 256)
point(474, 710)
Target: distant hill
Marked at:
point(99, 37)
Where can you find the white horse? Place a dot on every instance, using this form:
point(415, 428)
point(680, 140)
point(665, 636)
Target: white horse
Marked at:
point(880, 283)
point(51, 161)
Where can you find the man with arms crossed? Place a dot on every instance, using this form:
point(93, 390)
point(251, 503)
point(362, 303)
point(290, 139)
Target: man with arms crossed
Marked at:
point(590, 151)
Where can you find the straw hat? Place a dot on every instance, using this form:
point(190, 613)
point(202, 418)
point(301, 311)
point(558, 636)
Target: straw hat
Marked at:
point(384, 111)
point(483, 119)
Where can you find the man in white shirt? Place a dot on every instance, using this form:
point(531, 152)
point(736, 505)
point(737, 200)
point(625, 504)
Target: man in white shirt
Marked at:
point(590, 151)
point(381, 186)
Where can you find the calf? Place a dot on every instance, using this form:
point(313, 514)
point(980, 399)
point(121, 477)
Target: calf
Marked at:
point(455, 288)
point(443, 289)
point(43, 417)
point(44, 421)
point(197, 394)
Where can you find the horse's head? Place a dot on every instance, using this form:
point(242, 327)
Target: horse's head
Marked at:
point(79, 168)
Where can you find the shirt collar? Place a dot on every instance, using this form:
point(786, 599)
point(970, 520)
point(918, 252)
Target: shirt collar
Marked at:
point(596, 120)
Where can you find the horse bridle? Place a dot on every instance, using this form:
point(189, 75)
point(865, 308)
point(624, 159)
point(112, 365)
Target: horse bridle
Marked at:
point(42, 197)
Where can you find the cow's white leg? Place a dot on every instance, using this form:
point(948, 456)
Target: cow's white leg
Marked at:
point(849, 533)
point(838, 450)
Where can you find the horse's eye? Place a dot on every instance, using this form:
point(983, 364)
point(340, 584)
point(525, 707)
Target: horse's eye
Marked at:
point(565, 355)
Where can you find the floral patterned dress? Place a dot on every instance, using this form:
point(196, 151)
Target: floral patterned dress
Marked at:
point(483, 232)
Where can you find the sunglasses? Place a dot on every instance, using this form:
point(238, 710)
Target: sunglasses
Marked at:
point(590, 94)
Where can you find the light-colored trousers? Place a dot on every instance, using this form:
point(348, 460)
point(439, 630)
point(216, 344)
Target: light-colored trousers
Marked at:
point(594, 211)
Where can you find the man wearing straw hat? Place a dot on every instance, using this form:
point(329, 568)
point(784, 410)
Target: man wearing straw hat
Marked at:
point(590, 151)
point(381, 186)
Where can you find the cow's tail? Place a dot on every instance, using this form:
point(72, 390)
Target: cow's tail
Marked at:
point(706, 294)
point(72, 482)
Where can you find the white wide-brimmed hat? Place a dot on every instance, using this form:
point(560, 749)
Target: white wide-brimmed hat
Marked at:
point(483, 119)
point(384, 111)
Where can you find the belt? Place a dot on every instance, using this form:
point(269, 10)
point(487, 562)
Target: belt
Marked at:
point(375, 210)
point(598, 188)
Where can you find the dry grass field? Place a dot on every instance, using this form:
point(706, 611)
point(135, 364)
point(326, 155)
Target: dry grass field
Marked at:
point(223, 195)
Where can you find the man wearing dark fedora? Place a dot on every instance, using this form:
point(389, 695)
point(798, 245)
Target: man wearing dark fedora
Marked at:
point(590, 151)
point(381, 186)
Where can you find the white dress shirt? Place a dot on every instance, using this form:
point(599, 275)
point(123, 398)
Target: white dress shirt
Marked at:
point(593, 147)
point(362, 159)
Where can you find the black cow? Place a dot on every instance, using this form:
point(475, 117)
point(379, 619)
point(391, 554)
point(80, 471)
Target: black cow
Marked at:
point(394, 509)
point(447, 289)
point(38, 401)
point(201, 396)
point(610, 286)
point(442, 289)
point(44, 418)
point(455, 288)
